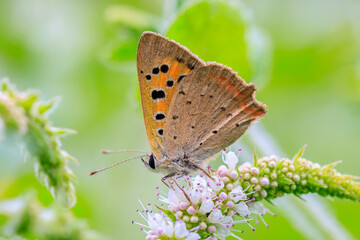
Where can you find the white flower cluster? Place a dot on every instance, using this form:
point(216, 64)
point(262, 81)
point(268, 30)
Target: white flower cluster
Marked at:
point(203, 208)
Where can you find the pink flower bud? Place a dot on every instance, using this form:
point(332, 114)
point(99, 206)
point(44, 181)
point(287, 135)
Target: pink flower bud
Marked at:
point(183, 205)
point(223, 196)
point(202, 226)
point(234, 175)
point(264, 181)
point(254, 171)
point(191, 210)
point(212, 229)
point(194, 219)
point(230, 204)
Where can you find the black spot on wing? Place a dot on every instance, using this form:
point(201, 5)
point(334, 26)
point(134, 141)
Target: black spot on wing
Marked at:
point(160, 132)
point(157, 94)
point(159, 116)
point(164, 68)
point(155, 70)
point(170, 82)
point(181, 77)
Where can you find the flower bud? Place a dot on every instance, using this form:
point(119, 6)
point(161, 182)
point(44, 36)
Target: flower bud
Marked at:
point(263, 193)
point(272, 164)
point(229, 186)
point(212, 229)
point(191, 210)
point(254, 180)
point(230, 204)
point(179, 214)
point(296, 178)
point(234, 175)
point(254, 171)
point(264, 181)
point(183, 205)
point(194, 219)
point(202, 226)
point(223, 196)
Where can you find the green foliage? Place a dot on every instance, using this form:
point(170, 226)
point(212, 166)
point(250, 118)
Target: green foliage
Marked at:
point(29, 219)
point(223, 31)
point(23, 114)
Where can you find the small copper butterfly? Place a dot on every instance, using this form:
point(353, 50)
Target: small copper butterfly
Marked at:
point(192, 109)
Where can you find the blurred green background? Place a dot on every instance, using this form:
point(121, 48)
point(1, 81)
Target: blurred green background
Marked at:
point(304, 57)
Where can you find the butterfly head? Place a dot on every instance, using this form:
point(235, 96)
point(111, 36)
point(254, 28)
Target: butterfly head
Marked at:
point(151, 163)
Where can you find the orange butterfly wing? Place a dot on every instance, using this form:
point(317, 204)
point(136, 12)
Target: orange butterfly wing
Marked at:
point(161, 65)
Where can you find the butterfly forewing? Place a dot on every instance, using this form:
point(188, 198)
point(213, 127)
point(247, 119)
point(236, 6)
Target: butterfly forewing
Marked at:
point(209, 111)
point(161, 65)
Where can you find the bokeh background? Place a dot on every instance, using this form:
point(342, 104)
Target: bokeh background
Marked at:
point(304, 57)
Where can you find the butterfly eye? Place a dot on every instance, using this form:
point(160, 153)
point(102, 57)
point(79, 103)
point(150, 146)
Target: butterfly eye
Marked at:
point(152, 161)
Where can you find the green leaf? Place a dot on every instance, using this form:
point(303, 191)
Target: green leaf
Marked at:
point(284, 180)
point(331, 165)
point(62, 131)
point(221, 31)
point(47, 106)
point(130, 17)
point(168, 213)
point(299, 154)
point(316, 183)
point(255, 159)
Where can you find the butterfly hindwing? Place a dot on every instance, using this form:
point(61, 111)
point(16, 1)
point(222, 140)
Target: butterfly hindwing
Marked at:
point(209, 111)
point(162, 64)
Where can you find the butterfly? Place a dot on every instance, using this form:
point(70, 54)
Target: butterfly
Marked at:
point(192, 109)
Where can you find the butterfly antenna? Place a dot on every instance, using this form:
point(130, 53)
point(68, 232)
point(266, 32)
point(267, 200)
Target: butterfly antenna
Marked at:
point(115, 164)
point(120, 151)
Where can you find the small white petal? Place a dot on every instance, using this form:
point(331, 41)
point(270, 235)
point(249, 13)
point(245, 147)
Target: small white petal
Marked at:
point(193, 236)
point(242, 209)
point(216, 185)
point(180, 230)
point(195, 196)
point(230, 159)
point(215, 216)
point(237, 194)
point(258, 208)
point(206, 206)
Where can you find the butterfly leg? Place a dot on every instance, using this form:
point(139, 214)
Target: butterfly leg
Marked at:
point(201, 169)
point(163, 181)
point(172, 176)
point(185, 194)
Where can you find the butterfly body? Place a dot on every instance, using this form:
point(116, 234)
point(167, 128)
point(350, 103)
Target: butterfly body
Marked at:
point(192, 110)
